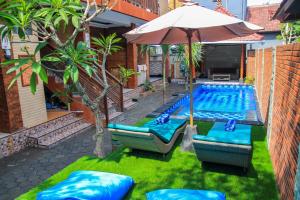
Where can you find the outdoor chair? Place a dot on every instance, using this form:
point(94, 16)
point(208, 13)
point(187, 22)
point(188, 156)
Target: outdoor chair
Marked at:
point(151, 136)
point(224, 147)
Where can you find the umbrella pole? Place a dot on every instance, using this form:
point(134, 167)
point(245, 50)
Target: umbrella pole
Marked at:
point(189, 34)
point(191, 129)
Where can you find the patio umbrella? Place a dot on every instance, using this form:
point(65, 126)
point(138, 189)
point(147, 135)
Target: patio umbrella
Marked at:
point(187, 24)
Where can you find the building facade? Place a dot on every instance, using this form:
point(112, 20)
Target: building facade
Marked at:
point(41, 119)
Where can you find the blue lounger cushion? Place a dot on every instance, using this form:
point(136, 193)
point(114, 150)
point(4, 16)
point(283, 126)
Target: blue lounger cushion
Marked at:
point(89, 185)
point(218, 128)
point(129, 128)
point(165, 131)
point(164, 118)
point(241, 134)
point(183, 194)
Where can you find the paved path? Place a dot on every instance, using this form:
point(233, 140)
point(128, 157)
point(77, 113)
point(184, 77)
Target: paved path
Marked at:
point(30, 167)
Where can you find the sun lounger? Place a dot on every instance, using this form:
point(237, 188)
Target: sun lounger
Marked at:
point(89, 185)
point(220, 146)
point(184, 194)
point(151, 136)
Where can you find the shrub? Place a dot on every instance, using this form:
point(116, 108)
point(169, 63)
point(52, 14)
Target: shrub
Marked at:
point(249, 80)
point(148, 86)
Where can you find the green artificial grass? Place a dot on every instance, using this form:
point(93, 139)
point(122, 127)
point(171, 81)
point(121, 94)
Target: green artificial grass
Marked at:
point(152, 171)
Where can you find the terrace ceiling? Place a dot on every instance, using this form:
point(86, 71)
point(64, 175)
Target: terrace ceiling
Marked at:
point(111, 19)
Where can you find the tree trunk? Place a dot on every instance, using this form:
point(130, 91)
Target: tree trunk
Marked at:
point(164, 77)
point(103, 138)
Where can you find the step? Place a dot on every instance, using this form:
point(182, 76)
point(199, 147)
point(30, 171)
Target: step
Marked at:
point(130, 94)
point(55, 137)
point(52, 125)
point(128, 105)
point(116, 117)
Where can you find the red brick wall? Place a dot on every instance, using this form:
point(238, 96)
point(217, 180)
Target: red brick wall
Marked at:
point(266, 84)
point(259, 69)
point(286, 114)
point(284, 132)
point(132, 52)
point(10, 109)
point(250, 71)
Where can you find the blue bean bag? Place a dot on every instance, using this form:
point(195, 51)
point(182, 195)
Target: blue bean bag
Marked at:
point(89, 185)
point(182, 194)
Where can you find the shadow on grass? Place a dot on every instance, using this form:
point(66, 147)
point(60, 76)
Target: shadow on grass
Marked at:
point(229, 169)
point(258, 133)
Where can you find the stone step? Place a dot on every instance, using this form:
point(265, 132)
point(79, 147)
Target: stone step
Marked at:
point(51, 125)
point(61, 134)
point(129, 105)
point(116, 117)
point(130, 94)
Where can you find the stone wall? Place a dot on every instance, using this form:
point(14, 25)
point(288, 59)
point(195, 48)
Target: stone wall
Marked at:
point(13, 143)
point(277, 73)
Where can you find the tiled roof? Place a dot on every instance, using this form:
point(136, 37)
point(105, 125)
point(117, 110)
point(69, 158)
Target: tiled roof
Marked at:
point(223, 10)
point(253, 37)
point(262, 16)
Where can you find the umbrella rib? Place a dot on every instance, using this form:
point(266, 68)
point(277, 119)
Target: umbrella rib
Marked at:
point(165, 36)
point(199, 35)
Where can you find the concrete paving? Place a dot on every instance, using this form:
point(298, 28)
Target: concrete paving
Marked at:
point(30, 167)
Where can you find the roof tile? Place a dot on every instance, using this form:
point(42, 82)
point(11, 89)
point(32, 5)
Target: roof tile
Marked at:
point(252, 37)
point(262, 16)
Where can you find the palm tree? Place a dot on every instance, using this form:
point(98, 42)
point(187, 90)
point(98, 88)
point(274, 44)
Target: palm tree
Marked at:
point(183, 57)
point(144, 49)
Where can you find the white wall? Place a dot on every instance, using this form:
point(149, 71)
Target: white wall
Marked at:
point(33, 107)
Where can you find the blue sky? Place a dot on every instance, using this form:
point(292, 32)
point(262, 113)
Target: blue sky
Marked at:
point(260, 2)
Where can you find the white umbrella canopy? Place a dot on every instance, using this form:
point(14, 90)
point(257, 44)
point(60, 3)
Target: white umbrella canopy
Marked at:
point(187, 24)
point(206, 26)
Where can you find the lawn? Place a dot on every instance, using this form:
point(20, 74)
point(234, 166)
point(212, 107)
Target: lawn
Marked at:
point(152, 171)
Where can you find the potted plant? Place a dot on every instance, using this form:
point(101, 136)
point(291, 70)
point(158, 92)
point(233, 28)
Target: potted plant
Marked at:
point(147, 88)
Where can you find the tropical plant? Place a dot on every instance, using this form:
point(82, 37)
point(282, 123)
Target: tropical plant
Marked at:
point(46, 19)
point(125, 74)
point(290, 32)
point(147, 49)
point(182, 57)
point(148, 86)
point(197, 53)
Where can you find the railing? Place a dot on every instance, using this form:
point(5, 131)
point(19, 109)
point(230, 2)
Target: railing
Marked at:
point(93, 87)
point(149, 5)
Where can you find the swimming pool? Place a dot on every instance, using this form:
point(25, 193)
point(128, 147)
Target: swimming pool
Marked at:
point(221, 102)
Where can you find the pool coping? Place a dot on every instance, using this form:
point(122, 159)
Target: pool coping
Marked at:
point(178, 96)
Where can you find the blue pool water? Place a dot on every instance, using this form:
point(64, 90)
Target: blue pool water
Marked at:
point(221, 102)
